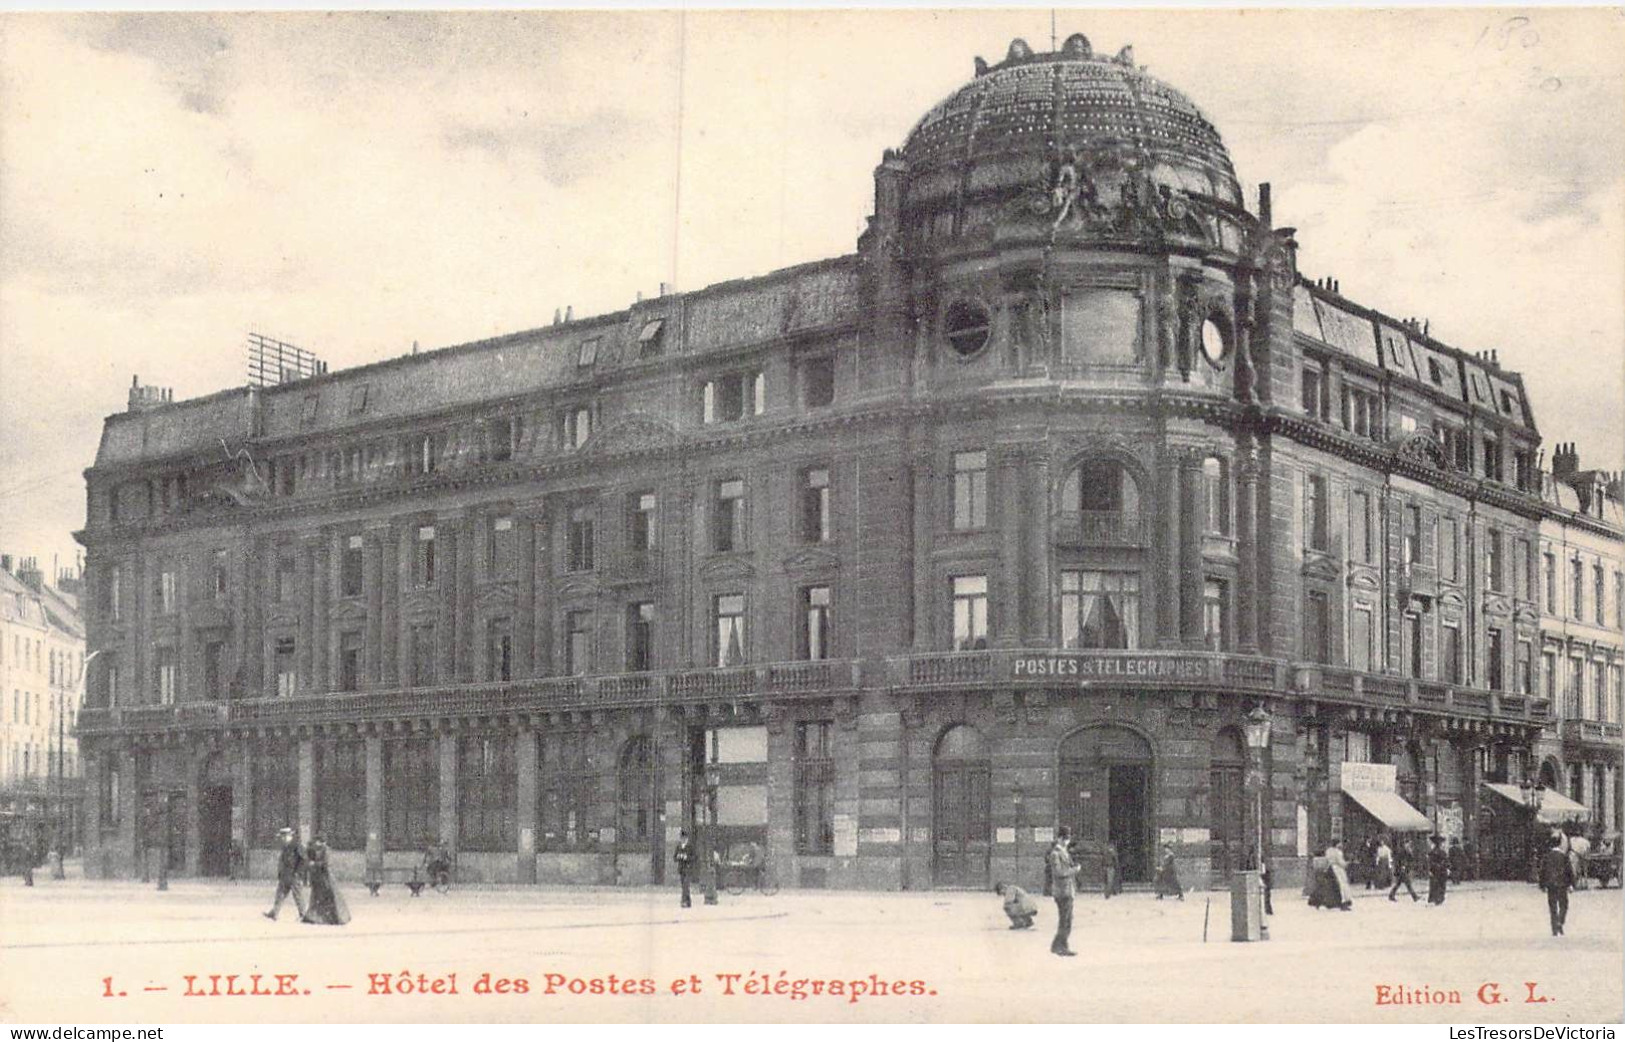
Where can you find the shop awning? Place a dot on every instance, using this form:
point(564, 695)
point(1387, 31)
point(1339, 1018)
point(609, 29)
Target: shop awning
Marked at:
point(1391, 809)
point(1554, 806)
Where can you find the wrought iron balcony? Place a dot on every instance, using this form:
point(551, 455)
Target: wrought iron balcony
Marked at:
point(1099, 528)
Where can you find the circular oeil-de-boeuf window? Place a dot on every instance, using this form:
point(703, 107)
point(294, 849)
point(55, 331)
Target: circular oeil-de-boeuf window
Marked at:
point(1215, 345)
point(967, 328)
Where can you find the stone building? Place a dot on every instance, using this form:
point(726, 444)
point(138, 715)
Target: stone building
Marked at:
point(888, 564)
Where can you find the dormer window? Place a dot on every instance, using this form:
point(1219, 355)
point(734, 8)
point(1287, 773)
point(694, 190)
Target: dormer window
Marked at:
point(587, 353)
point(577, 426)
point(650, 337)
point(733, 397)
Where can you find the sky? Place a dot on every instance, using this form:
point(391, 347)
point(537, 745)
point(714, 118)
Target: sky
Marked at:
point(354, 183)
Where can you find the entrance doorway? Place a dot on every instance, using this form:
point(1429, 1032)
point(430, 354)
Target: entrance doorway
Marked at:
point(1227, 803)
point(214, 831)
point(962, 810)
point(1104, 795)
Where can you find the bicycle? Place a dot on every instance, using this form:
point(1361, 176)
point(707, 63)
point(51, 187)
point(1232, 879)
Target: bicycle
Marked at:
point(738, 877)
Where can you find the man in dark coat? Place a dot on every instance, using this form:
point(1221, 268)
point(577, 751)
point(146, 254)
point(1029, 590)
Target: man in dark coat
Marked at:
point(290, 867)
point(1062, 872)
point(1404, 858)
point(1556, 877)
point(1438, 870)
point(684, 857)
point(1458, 861)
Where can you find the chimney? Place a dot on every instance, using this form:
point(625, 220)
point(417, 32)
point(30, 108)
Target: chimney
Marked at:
point(1264, 215)
point(558, 316)
point(1565, 461)
point(665, 289)
point(29, 575)
point(145, 398)
point(569, 313)
point(5, 563)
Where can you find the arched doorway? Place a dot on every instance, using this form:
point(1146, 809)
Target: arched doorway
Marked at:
point(1550, 773)
point(1227, 804)
point(961, 809)
point(638, 817)
point(1104, 793)
point(214, 816)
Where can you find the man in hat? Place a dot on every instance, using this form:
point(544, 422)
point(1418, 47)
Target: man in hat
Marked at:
point(1438, 870)
point(684, 856)
point(290, 867)
point(1556, 877)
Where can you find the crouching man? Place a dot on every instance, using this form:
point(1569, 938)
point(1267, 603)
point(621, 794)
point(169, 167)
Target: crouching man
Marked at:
point(1017, 905)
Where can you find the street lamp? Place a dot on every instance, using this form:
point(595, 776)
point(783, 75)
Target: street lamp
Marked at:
point(61, 755)
point(1258, 740)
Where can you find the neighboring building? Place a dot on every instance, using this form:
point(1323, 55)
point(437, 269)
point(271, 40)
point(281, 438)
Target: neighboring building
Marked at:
point(42, 653)
point(1582, 545)
point(889, 563)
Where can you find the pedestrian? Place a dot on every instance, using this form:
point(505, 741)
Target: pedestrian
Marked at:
point(1385, 863)
point(1264, 877)
point(1113, 865)
point(1168, 884)
point(684, 856)
point(326, 906)
point(290, 868)
point(1404, 858)
point(1063, 871)
point(1438, 870)
point(1556, 877)
point(1338, 866)
point(1017, 905)
point(1458, 861)
point(1368, 862)
point(1470, 849)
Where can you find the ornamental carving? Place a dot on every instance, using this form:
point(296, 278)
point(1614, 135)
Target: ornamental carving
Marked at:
point(1108, 191)
point(1423, 446)
point(636, 433)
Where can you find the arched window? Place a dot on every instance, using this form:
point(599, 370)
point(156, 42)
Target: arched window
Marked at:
point(637, 793)
point(961, 742)
point(962, 809)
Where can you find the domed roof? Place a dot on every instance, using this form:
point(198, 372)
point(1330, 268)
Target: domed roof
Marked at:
point(1034, 105)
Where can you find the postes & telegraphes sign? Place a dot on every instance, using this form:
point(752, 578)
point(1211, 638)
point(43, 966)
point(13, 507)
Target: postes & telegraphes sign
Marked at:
point(1115, 665)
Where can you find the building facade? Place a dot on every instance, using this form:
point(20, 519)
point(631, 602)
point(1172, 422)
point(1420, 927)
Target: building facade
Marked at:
point(888, 564)
point(42, 653)
point(1582, 537)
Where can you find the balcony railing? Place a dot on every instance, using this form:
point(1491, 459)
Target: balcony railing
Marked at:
point(1099, 528)
point(1590, 732)
point(630, 565)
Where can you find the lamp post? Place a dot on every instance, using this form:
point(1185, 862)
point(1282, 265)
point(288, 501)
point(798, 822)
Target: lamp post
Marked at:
point(1247, 902)
point(1258, 740)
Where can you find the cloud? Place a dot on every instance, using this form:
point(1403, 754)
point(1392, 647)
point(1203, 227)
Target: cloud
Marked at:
point(191, 53)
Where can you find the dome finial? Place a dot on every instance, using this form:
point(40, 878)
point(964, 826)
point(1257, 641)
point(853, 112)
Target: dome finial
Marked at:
point(1019, 51)
point(1077, 46)
point(1126, 55)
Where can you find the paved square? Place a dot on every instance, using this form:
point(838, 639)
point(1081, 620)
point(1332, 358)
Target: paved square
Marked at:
point(66, 944)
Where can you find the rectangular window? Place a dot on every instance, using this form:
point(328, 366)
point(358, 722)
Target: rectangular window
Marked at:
point(1357, 748)
point(341, 793)
point(1492, 459)
point(1360, 526)
point(567, 792)
point(164, 675)
point(487, 793)
point(815, 787)
point(1216, 483)
point(1619, 600)
point(1215, 610)
point(1492, 560)
point(815, 505)
point(286, 569)
point(423, 560)
point(818, 382)
point(1450, 654)
point(1411, 545)
point(1597, 691)
point(1495, 664)
point(650, 337)
point(423, 454)
point(817, 631)
point(1413, 644)
point(1520, 570)
point(113, 600)
point(1316, 627)
point(1522, 653)
point(1450, 549)
point(273, 790)
point(220, 574)
point(285, 668)
point(1102, 609)
point(1548, 673)
point(502, 439)
point(1549, 572)
point(501, 559)
point(499, 650)
point(1316, 521)
point(728, 516)
point(411, 790)
point(641, 531)
point(350, 567)
point(587, 353)
point(422, 652)
point(1314, 403)
point(1360, 639)
point(577, 426)
point(733, 397)
point(970, 612)
point(580, 549)
point(214, 670)
point(350, 661)
point(1576, 691)
point(970, 490)
point(110, 797)
point(729, 612)
point(1577, 589)
point(640, 636)
point(578, 643)
point(1599, 593)
point(112, 674)
point(166, 591)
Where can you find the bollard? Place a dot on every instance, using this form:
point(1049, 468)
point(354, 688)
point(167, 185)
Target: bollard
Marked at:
point(1246, 907)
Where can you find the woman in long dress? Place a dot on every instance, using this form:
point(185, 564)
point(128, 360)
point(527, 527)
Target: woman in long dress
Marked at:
point(326, 907)
point(1168, 884)
point(1339, 868)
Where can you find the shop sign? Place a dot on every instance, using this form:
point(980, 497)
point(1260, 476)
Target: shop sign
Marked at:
point(1381, 777)
point(1115, 666)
